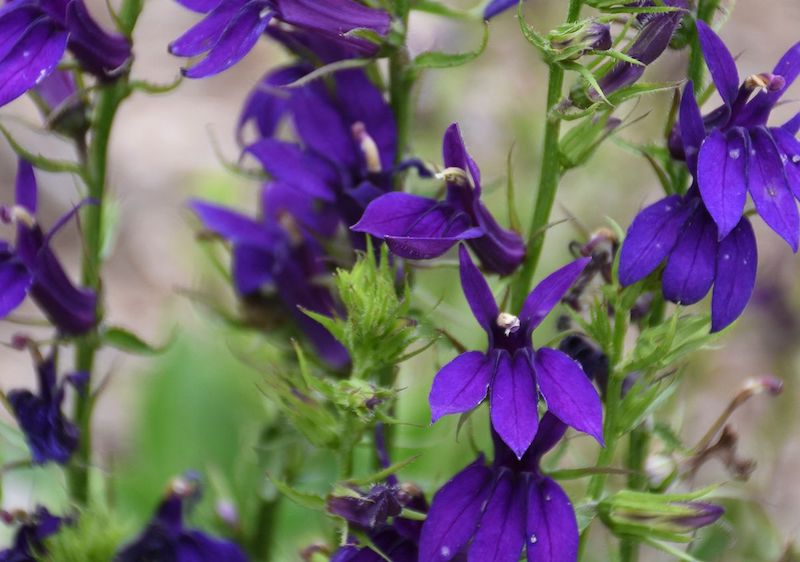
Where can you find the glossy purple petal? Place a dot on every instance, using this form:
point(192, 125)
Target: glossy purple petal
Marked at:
point(501, 534)
point(477, 292)
point(461, 384)
point(35, 55)
point(548, 293)
point(455, 155)
point(770, 190)
point(205, 33)
point(790, 153)
point(201, 6)
point(720, 63)
point(454, 514)
point(499, 250)
point(288, 163)
point(693, 131)
point(25, 191)
point(737, 261)
point(72, 309)
point(238, 39)
point(514, 402)
point(99, 52)
point(552, 529)
point(651, 237)
point(568, 392)
point(15, 19)
point(690, 268)
point(722, 177)
point(14, 284)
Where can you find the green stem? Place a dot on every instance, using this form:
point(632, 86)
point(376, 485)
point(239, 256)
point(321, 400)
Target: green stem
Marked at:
point(639, 440)
point(548, 180)
point(265, 528)
point(95, 161)
point(401, 83)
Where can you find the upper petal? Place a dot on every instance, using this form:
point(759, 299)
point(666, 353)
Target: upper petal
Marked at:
point(568, 392)
point(722, 177)
point(514, 402)
point(454, 514)
point(205, 33)
point(461, 384)
point(552, 528)
point(788, 68)
point(549, 291)
point(737, 261)
point(720, 63)
point(268, 102)
point(25, 192)
point(14, 283)
point(651, 237)
point(693, 130)
point(501, 534)
point(769, 188)
point(690, 268)
point(477, 292)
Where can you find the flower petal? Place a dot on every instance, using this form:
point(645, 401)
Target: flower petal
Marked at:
point(268, 102)
point(568, 392)
point(454, 514)
point(25, 192)
point(722, 177)
point(690, 268)
point(495, 7)
point(455, 155)
point(99, 52)
point(770, 190)
point(552, 529)
point(790, 153)
point(737, 261)
point(477, 292)
point(549, 291)
point(787, 68)
point(720, 63)
point(288, 163)
point(651, 237)
point(14, 283)
point(337, 17)
point(231, 225)
point(693, 131)
point(501, 534)
point(514, 402)
point(461, 384)
point(204, 34)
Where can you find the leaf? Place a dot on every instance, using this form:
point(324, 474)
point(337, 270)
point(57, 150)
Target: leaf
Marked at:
point(439, 9)
point(42, 162)
point(303, 499)
point(382, 474)
point(436, 59)
point(124, 340)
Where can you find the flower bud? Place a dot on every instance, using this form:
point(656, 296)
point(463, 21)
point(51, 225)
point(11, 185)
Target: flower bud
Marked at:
point(572, 40)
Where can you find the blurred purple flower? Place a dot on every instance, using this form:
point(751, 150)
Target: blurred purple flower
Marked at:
point(34, 35)
point(231, 28)
point(492, 513)
point(280, 252)
point(29, 540)
point(50, 435)
point(31, 268)
point(511, 372)
point(417, 227)
point(166, 538)
point(496, 7)
point(732, 152)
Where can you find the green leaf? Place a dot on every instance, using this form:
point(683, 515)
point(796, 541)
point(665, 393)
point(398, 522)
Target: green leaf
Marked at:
point(436, 59)
point(42, 162)
point(439, 9)
point(124, 340)
point(382, 474)
point(303, 499)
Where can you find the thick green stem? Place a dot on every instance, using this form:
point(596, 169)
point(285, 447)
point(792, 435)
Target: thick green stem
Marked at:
point(639, 440)
point(95, 162)
point(401, 82)
point(548, 180)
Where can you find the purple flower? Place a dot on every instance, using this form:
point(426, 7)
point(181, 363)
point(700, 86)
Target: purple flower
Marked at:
point(34, 35)
point(280, 253)
point(231, 28)
point(166, 538)
point(29, 540)
point(31, 268)
point(417, 227)
point(511, 372)
point(732, 152)
point(494, 512)
point(347, 144)
point(50, 435)
point(496, 7)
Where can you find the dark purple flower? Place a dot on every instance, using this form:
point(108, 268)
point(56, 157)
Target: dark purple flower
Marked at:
point(732, 152)
point(231, 28)
point(496, 7)
point(492, 513)
point(348, 140)
point(367, 509)
point(511, 372)
point(31, 268)
point(166, 539)
point(417, 227)
point(280, 253)
point(29, 540)
point(50, 435)
point(34, 34)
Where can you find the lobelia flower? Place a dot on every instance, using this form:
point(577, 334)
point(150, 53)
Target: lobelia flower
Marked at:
point(280, 252)
point(166, 537)
point(680, 230)
point(511, 372)
point(419, 228)
point(34, 34)
point(29, 541)
point(30, 267)
point(733, 152)
point(231, 28)
point(50, 435)
point(492, 513)
point(348, 141)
